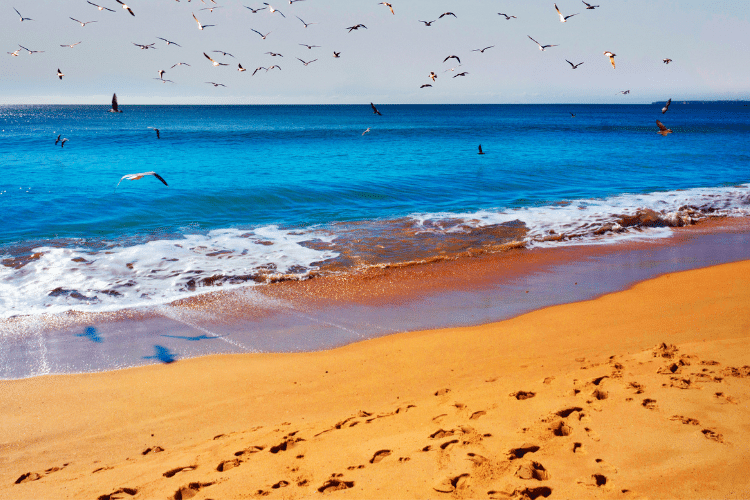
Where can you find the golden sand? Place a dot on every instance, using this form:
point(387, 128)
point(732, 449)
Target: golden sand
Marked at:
point(638, 394)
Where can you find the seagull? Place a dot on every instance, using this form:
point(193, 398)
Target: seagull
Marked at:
point(217, 84)
point(292, 1)
point(71, 45)
point(589, 6)
point(541, 47)
point(161, 74)
point(480, 150)
point(453, 57)
point(60, 74)
point(272, 10)
point(446, 14)
point(210, 9)
point(215, 63)
point(356, 27)
point(375, 110)
point(99, 6)
point(58, 139)
point(507, 17)
point(15, 53)
point(29, 50)
point(336, 54)
point(572, 115)
point(667, 60)
point(258, 69)
point(464, 73)
point(169, 42)
point(158, 135)
point(83, 23)
point(274, 54)
point(389, 6)
point(574, 65)
point(428, 23)
point(624, 92)
point(662, 129)
point(178, 64)
point(223, 53)
point(309, 46)
point(482, 50)
point(272, 67)
point(308, 62)
point(433, 75)
point(254, 11)
point(303, 22)
point(426, 85)
point(144, 47)
point(64, 140)
point(563, 19)
point(201, 26)
point(611, 58)
point(135, 177)
point(261, 34)
point(115, 107)
point(125, 7)
point(368, 129)
point(666, 106)
point(22, 18)
point(240, 68)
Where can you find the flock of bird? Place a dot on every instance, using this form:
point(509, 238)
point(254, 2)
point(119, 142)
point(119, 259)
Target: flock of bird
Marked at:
point(336, 54)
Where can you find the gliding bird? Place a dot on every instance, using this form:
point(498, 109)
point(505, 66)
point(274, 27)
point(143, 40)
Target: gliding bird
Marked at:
point(389, 6)
point(541, 47)
point(666, 106)
point(563, 19)
point(99, 6)
point(201, 26)
point(574, 65)
point(135, 177)
point(589, 6)
point(125, 7)
point(662, 129)
point(82, 23)
point(375, 110)
point(22, 18)
point(215, 63)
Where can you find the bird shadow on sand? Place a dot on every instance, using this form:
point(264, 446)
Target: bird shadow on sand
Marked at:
point(162, 354)
point(92, 334)
point(194, 338)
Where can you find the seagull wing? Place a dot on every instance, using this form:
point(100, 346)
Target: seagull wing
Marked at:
point(661, 126)
point(534, 41)
point(159, 176)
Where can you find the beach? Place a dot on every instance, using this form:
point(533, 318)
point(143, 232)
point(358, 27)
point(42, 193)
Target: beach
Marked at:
point(639, 393)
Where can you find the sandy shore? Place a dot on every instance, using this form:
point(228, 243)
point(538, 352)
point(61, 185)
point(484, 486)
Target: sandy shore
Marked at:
point(638, 394)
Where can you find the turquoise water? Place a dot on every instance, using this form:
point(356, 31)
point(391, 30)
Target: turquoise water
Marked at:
point(273, 192)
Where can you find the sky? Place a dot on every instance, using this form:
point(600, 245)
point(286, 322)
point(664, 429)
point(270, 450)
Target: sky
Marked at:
point(386, 63)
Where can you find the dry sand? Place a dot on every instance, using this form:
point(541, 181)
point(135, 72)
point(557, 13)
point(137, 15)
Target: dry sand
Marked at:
point(638, 394)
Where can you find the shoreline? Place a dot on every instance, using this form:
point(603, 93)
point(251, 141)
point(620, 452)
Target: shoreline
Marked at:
point(439, 413)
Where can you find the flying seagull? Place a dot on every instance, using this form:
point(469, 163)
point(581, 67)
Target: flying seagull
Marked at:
point(589, 6)
point(255, 11)
point(82, 23)
point(541, 47)
point(178, 64)
point(58, 139)
point(71, 45)
point(624, 92)
point(29, 50)
point(223, 53)
point(161, 74)
point(14, 53)
point(217, 84)
point(563, 19)
point(201, 26)
point(158, 136)
point(215, 63)
point(356, 27)
point(574, 65)
point(115, 107)
point(60, 74)
point(210, 9)
point(433, 75)
point(507, 17)
point(258, 69)
point(375, 110)
point(389, 6)
point(366, 131)
point(99, 6)
point(667, 60)
point(453, 57)
point(446, 14)
point(240, 68)
point(303, 22)
point(482, 50)
point(309, 46)
point(425, 85)
point(22, 18)
point(666, 106)
point(480, 150)
point(336, 54)
point(125, 7)
point(274, 54)
point(428, 23)
point(272, 10)
point(135, 177)
point(611, 57)
point(64, 140)
point(306, 63)
point(464, 73)
point(662, 129)
point(261, 34)
point(272, 67)
point(145, 47)
point(169, 42)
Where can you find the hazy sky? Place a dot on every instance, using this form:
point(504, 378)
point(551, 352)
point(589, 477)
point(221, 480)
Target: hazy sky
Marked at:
point(385, 63)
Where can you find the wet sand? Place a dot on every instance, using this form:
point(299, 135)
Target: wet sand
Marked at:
point(641, 393)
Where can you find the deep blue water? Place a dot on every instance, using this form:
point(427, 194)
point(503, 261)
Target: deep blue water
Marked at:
point(257, 190)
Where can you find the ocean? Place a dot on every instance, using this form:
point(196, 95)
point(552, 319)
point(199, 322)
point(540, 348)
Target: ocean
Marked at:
point(260, 194)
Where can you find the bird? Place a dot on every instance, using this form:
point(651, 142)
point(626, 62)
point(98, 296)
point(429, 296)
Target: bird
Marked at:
point(308, 62)
point(201, 26)
point(464, 73)
point(482, 50)
point(258, 69)
point(254, 11)
point(389, 6)
point(99, 6)
point(303, 22)
point(272, 10)
point(446, 14)
point(217, 84)
point(274, 54)
point(292, 1)
point(433, 75)
point(125, 7)
point(480, 150)
point(541, 47)
point(58, 139)
point(115, 107)
point(179, 64)
point(71, 45)
point(453, 57)
point(82, 23)
point(22, 18)
point(611, 57)
point(135, 177)
point(624, 92)
point(662, 129)
point(366, 131)
point(563, 19)
point(425, 85)
point(309, 46)
point(210, 9)
point(667, 60)
point(29, 50)
point(14, 53)
point(145, 47)
point(158, 135)
point(161, 74)
point(240, 68)
point(272, 67)
point(507, 17)
point(60, 74)
point(223, 53)
point(428, 23)
point(356, 27)
point(336, 54)
point(666, 106)
point(261, 34)
point(215, 63)
point(574, 65)
point(64, 140)
point(572, 115)
point(589, 6)
point(169, 42)
point(375, 110)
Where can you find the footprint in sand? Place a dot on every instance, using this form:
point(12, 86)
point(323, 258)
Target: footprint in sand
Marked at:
point(172, 472)
point(451, 484)
point(115, 495)
point(442, 392)
point(521, 395)
point(189, 490)
point(728, 399)
point(280, 484)
point(247, 451)
point(380, 455)
point(28, 476)
point(578, 449)
point(440, 434)
point(562, 429)
point(649, 404)
point(477, 414)
point(448, 443)
point(155, 449)
point(228, 464)
point(521, 451)
point(685, 420)
point(713, 435)
point(533, 470)
point(335, 484)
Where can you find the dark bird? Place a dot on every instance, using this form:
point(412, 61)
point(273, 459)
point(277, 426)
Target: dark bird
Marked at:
point(272, 10)
point(215, 63)
point(572, 115)
point(464, 73)
point(611, 58)
point(453, 57)
point(99, 6)
point(662, 129)
point(589, 6)
point(666, 61)
point(389, 6)
point(480, 150)
point(58, 139)
point(240, 68)
point(507, 17)
point(274, 54)
point(426, 85)
point(145, 47)
point(624, 92)
point(303, 22)
point(306, 63)
point(60, 74)
point(666, 106)
point(541, 47)
point(161, 74)
point(223, 53)
point(217, 84)
point(258, 69)
point(169, 42)
point(125, 7)
point(71, 45)
point(446, 14)
point(261, 34)
point(356, 27)
point(309, 46)
point(428, 23)
point(22, 18)
point(254, 11)
point(64, 140)
point(482, 50)
point(115, 107)
point(158, 136)
point(433, 75)
point(574, 66)
point(292, 1)
point(202, 26)
point(82, 23)
point(375, 110)
point(336, 54)
point(563, 18)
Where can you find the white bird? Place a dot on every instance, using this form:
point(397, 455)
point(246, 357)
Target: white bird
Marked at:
point(201, 26)
point(308, 62)
point(666, 106)
point(14, 53)
point(179, 64)
point(261, 34)
point(29, 50)
point(433, 75)
point(303, 22)
point(115, 107)
point(125, 7)
point(145, 47)
point(99, 6)
point(240, 68)
point(82, 23)
point(389, 6)
point(71, 45)
point(563, 19)
point(215, 63)
point(611, 57)
point(60, 74)
point(169, 42)
point(255, 11)
point(64, 140)
point(135, 177)
point(541, 47)
point(272, 10)
point(210, 9)
point(258, 69)
point(272, 67)
point(22, 18)
point(366, 131)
